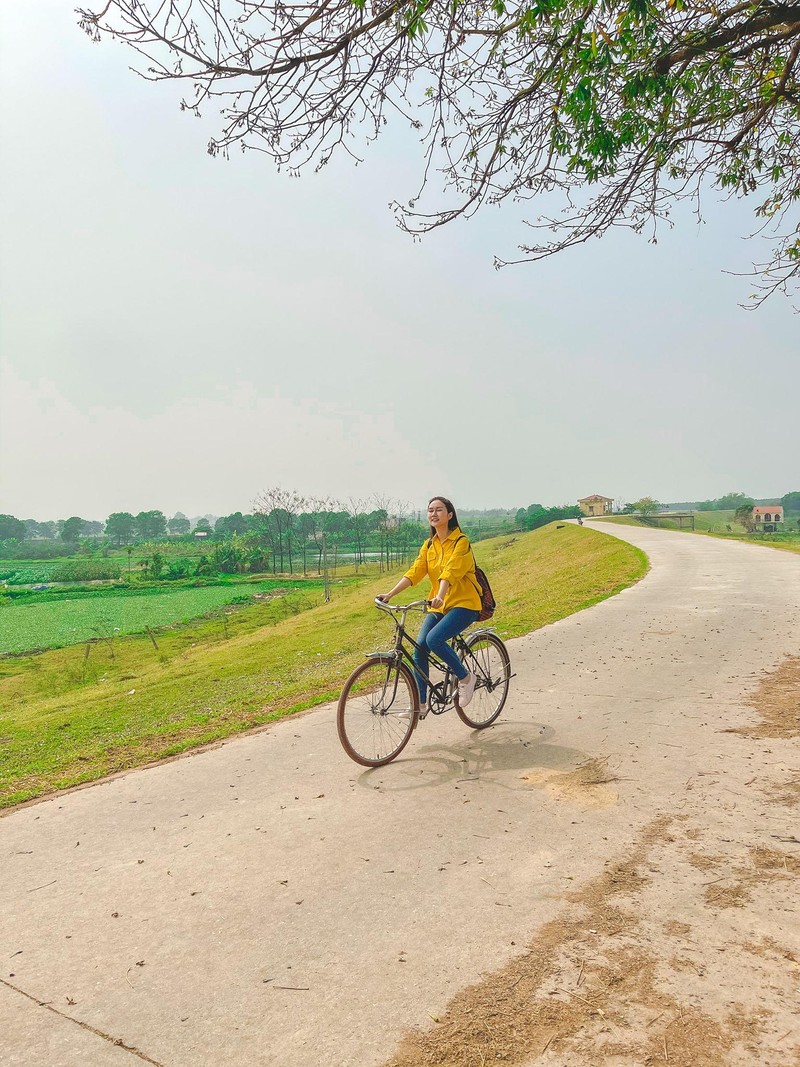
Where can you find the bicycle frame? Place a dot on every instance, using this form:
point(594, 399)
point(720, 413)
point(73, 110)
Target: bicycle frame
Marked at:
point(379, 708)
point(439, 693)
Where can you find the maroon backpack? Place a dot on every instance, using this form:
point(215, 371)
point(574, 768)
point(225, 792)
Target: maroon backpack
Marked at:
point(488, 602)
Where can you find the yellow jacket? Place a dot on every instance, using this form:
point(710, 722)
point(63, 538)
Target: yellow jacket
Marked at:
point(453, 562)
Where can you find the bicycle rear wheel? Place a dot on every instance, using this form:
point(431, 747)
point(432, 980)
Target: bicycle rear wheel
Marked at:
point(377, 712)
point(488, 658)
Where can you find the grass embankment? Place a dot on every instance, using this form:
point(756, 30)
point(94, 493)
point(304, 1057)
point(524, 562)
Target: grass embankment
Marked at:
point(70, 716)
point(704, 522)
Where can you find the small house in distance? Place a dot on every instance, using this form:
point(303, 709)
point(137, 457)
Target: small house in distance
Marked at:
point(596, 505)
point(766, 517)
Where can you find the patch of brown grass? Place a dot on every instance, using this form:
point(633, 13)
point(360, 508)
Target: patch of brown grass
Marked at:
point(770, 861)
point(677, 929)
point(787, 793)
point(777, 700)
point(735, 890)
point(727, 896)
point(769, 948)
point(594, 986)
point(704, 862)
point(584, 981)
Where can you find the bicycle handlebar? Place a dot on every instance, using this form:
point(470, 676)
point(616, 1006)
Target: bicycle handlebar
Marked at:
point(415, 605)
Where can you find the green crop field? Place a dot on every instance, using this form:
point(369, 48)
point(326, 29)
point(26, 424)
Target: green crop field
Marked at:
point(74, 714)
point(68, 620)
point(73, 570)
point(26, 573)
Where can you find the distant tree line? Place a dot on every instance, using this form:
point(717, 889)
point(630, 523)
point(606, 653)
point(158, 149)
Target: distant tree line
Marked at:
point(734, 501)
point(66, 530)
point(121, 527)
point(286, 527)
point(535, 515)
point(728, 502)
point(286, 532)
point(741, 505)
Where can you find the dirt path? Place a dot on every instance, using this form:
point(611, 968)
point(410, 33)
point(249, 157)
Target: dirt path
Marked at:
point(608, 876)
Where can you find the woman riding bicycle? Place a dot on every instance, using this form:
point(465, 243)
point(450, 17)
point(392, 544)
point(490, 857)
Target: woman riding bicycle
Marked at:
point(446, 559)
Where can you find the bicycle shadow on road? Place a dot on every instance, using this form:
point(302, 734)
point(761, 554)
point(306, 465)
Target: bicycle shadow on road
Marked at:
point(496, 755)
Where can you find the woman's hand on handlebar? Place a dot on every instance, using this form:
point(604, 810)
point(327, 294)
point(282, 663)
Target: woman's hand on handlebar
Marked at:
point(437, 603)
point(404, 583)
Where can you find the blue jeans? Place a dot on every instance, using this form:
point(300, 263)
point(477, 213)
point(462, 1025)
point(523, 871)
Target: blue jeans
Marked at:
point(435, 632)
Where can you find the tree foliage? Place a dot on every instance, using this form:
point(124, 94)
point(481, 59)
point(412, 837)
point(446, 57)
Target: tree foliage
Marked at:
point(150, 524)
point(11, 528)
point(728, 502)
point(72, 528)
point(534, 516)
point(619, 107)
point(179, 524)
point(36, 529)
point(277, 510)
point(744, 516)
point(120, 527)
point(236, 523)
point(646, 506)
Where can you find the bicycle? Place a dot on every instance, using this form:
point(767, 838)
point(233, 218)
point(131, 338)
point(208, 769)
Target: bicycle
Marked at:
point(379, 708)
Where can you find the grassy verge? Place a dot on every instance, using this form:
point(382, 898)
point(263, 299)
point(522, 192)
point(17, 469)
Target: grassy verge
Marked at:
point(704, 522)
point(70, 715)
point(784, 546)
point(712, 524)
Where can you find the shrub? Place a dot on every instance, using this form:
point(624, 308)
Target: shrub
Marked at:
point(36, 550)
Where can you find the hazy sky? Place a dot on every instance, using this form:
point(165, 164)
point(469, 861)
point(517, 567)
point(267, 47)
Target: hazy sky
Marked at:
point(180, 332)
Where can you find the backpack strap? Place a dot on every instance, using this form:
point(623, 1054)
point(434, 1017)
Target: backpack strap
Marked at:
point(476, 583)
point(430, 540)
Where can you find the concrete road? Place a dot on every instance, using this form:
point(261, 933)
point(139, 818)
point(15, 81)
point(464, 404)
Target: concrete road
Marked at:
point(269, 902)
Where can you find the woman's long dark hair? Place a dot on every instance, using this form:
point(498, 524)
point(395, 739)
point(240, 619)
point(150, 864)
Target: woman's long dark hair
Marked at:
point(452, 522)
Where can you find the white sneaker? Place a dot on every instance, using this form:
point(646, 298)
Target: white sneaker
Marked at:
point(423, 710)
point(466, 687)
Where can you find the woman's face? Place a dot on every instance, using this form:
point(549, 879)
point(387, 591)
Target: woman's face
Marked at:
point(438, 514)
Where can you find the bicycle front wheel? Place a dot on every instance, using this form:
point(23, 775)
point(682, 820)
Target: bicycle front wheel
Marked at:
point(377, 712)
point(488, 658)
